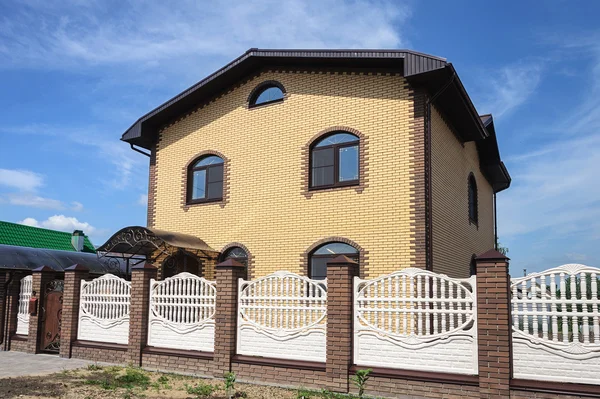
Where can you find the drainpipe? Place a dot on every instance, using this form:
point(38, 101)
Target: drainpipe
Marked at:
point(495, 224)
point(140, 151)
point(4, 321)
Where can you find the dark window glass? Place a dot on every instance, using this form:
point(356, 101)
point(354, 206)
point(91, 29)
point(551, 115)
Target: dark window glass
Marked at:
point(267, 95)
point(237, 254)
point(325, 253)
point(473, 211)
point(206, 179)
point(334, 161)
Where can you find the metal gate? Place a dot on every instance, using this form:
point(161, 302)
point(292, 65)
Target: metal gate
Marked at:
point(52, 316)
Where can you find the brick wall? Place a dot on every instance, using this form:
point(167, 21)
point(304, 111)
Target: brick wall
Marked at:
point(178, 363)
point(265, 148)
point(454, 239)
point(98, 353)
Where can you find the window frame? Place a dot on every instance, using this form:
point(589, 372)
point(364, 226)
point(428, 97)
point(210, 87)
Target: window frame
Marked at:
point(190, 180)
point(336, 161)
point(354, 256)
point(226, 252)
point(473, 200)
point(260, 88)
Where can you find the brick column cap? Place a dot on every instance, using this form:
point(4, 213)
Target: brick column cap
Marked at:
point(43, 269)
point(342, 260)
point(143, 267)
point(229, 263)
point(492, 254)
point(77, 268)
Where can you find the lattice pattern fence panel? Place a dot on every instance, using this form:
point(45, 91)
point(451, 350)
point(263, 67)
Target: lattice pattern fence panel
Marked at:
point(182, 313)
point(556, 324)
point(104, 310)
point(416, 319)
point(283, 315)
point(23, 313)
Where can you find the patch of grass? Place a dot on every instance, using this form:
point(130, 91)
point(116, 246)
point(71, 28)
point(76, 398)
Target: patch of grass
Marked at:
point(94, 367)
point(201, 390)
point(304, 394)
point(133, 378)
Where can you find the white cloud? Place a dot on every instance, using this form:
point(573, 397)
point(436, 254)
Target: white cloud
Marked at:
point(504, 90)
point(24, 180)
point(61, 223)
point(143, 200)
point(32, 200)
point(76, 206)
point(66, 33)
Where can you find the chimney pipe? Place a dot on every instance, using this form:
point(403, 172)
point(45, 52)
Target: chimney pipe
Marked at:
point(77, 240)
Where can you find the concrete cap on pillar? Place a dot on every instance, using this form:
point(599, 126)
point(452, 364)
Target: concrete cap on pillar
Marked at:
point(229, 263)
point(143, 266)
point(43, 269)
point(342, 260)
point(492, 254)
point(77, 268)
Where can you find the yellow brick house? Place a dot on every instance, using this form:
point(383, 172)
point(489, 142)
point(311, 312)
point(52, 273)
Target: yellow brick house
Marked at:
point(284, 158)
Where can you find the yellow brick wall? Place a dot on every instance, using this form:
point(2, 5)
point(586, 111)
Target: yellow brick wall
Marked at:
point(455, 240)
point(267, 210)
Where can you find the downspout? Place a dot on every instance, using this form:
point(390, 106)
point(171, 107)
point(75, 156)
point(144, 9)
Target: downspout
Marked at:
point(495, 224)
point(138, 150)
point(4, 321)
point(428, 187)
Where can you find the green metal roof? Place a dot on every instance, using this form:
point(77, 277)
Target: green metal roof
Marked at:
point(35, 237)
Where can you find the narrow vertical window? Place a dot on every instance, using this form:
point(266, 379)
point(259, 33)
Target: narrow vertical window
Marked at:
point(205, 180)
point(473, 206)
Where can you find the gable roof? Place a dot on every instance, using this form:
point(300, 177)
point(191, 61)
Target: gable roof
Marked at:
point(434, 74)
point(34, 237)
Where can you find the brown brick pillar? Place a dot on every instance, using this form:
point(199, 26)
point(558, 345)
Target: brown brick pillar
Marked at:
point(41, 277)
point(12, 307)
point(70, 311)
point(493, 325)
point(3, 302)
point(340, 273)
point(228, 275)
point(138, 310)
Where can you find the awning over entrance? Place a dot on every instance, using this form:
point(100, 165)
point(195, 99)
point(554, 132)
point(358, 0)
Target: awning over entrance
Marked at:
point(137, 242)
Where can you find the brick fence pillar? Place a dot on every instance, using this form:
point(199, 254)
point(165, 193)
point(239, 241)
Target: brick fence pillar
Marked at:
point(340, 273)
point(3, 288)
point(70, 311)
point(493, 325)
point(40, 279)
point(139, 310)
point(228, 275)
point(12, 306)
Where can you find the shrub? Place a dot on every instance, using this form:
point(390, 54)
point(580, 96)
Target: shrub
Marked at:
point(201, 390)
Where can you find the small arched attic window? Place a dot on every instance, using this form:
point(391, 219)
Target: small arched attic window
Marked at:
point(266, 93)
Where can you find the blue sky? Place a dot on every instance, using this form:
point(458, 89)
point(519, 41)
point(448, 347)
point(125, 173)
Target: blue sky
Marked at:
point(75, 74)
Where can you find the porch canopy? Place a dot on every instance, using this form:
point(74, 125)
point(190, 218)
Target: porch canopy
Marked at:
point(149, 243)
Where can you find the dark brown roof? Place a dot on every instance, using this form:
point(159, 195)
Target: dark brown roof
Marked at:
point(432, 73)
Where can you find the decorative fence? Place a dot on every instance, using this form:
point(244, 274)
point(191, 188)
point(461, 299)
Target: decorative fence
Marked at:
point(418, 320)
point(104, 310)
point(23, 313)
point(283, 315)
point(182, 313)
point(556, 328)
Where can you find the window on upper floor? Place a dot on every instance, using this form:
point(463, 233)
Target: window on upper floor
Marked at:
point(205, 180)
point(473, 210)
point(334, 161)
point(325, 253)
point(266, 93)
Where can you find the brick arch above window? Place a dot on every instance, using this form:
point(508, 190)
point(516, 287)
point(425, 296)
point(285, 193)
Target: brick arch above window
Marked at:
point(250, 270)
point(363, 259)
point(184, 180)
point(363, 166)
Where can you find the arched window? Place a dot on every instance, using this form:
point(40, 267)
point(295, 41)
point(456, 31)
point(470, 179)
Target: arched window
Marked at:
point(319, 257)
point(236, 253)
point(473, 210)
point(266, 93)
point(205, 179)
point(334, 161)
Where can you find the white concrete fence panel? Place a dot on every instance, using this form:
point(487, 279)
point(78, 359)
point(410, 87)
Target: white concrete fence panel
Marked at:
point(417, 320)
point(283, 315)
point(23, 313)
point(182, 313)
point(104, 310)
point(556, 325)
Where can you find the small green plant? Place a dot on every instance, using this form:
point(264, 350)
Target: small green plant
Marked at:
point(133, 378)
point(304, 394)
point(229, 384)
point(360, 379)
point(201, 390)
point(163, 379)
point(94, 367)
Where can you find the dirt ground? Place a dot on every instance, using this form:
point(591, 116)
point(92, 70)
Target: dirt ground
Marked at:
point(127, 383)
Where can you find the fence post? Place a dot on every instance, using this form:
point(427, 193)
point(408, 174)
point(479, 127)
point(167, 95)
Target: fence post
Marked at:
point(3, 302)
point(40, 278)
point(12, 307)
point(493, 325)
point(340, 273)
point(228, 275)
point(70, 311)
point(138, 311)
